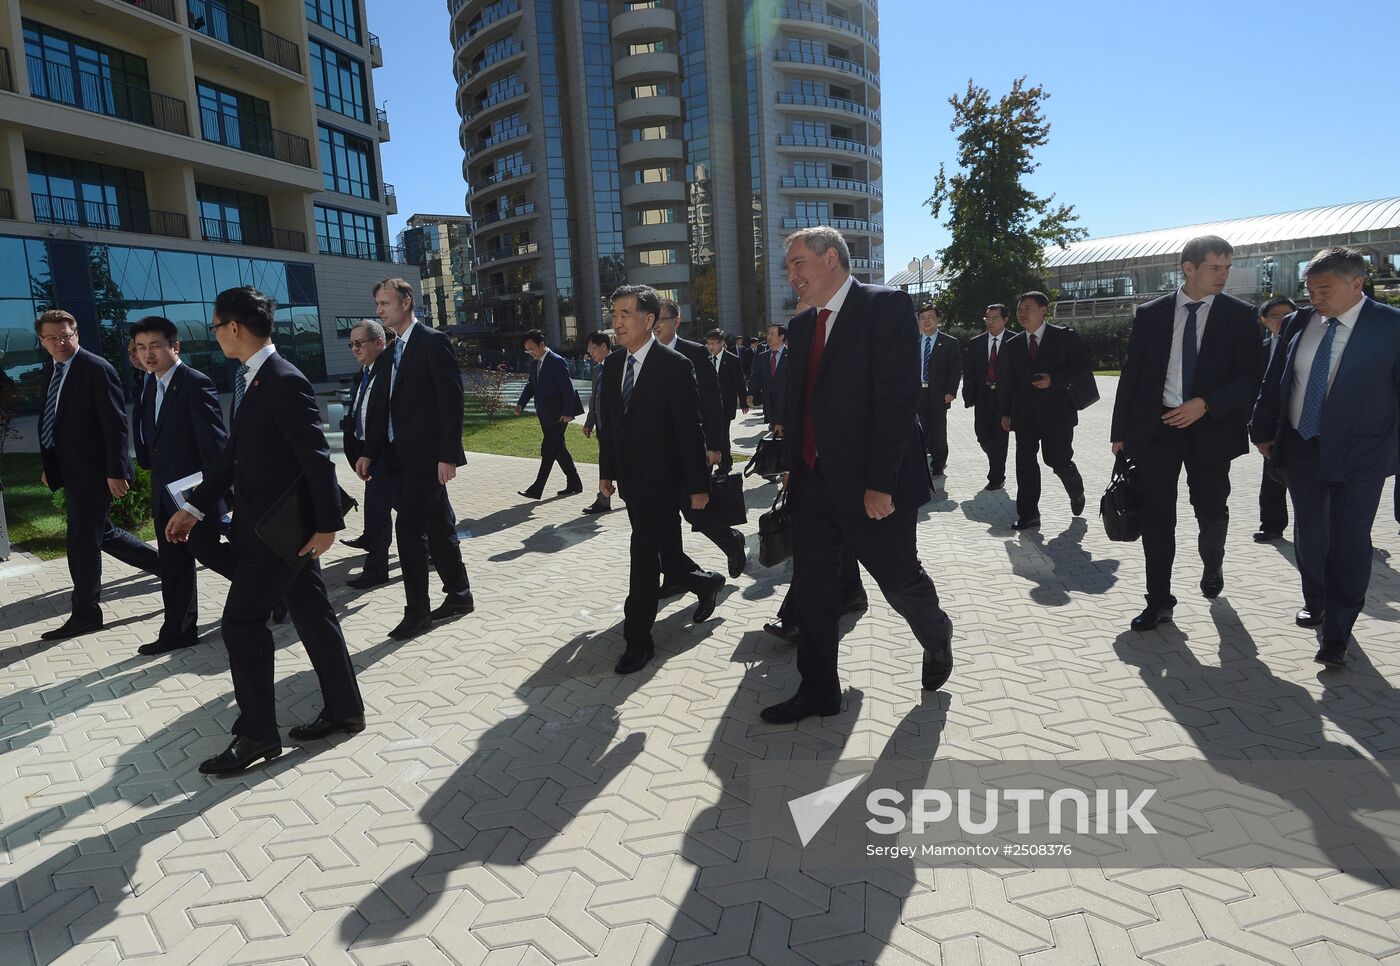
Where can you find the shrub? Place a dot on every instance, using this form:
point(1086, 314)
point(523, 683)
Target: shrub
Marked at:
point(488, 388)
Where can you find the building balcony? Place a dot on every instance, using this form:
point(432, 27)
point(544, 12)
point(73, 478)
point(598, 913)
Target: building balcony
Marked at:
point(88, 92)
point(7, 77)
point(827, 185)
point(822, 64)
point(671, 233)
point(376, 49)
point(639, 68)
point(821, 24)
point(652, 193)
point(488, 62)
point(640, 24)
point(508, 293)
point(381, 123)
point(161, 8)
point(799, 145)
point(840, 224)
point(508, 176)
point(54, 210)
point(821, 103)
point(246, 35)
point(659, 150)
point(640, 110)
point(485, 24)
point(506, 253)
point(252, 234)
point(7, 204)
point(867, 264)
point(483, 148)
point(499, 99)
point(391, 198)
point(502, 216)
point(660, 276)
point(243, 134)
point(366, 251)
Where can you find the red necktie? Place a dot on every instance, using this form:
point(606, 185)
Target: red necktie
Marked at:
point(992, 362)
point(1035, 347)
point(814, 362)
point(773, 364)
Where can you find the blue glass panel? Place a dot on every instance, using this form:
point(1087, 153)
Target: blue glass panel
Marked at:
point(179, 277)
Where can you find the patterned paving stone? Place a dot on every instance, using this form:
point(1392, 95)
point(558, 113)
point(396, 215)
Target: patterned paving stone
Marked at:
point(513, 801)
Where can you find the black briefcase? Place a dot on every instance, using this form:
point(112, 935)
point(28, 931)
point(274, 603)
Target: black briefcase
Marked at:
point(1084, 392)
point(767, 459)
point(775, 533)
point(1121, 505)
point(726, 507)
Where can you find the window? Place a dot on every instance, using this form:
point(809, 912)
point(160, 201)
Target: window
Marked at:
point(71, 192)
point(808, 129)
point(655, 47)
point(808, 87)
point(655, 216)
point(653, 257)
point(234, 216)
point(340, 16)
point(815, 211)
point(652, 175)
point(651, 90)
point(809, 169)
point(235, 22)
point(70, 70)
point(339, 81)
point(349, 233)
point(656, 133)
point(811, 48)
point(238, 120)
point(347, 164)
point(345, 323)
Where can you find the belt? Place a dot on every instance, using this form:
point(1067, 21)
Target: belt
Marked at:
point(989, 385)
point(923, 385)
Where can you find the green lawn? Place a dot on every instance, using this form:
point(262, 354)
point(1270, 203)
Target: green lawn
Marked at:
point(511, 435)
point(36, 525)
point(1107, 372)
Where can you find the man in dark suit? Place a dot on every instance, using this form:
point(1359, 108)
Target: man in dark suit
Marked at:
point(767, 375)
point(857, 472)
point(415, 429)
point(83, 450)
point(940, 368)
point(1041, 369)
point(179, 431)
point(980, 363)
point(556, 404)
point(732, 395)
point(275, 447)
point(1189, 379)
point(367, 342)
point(598, 348)
point(1327, 415)
point(1273, 494)
point(654, 450)
point(746, 349)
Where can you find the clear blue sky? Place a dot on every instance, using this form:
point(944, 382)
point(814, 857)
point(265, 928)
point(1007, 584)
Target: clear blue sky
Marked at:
point(1161, 115)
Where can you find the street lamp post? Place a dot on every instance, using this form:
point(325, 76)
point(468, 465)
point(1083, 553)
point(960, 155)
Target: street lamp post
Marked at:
point(920, 265)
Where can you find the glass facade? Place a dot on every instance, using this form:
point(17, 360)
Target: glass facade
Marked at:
point(108, 287)
point(238, 120)
point(67, 191)
point(753, 274)
point(339, 81)
point(338, 16)
point(72, 70)
point(347, 163)
point(340, 232)
point(561, 224)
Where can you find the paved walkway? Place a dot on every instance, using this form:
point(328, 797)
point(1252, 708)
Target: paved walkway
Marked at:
point(513, 801)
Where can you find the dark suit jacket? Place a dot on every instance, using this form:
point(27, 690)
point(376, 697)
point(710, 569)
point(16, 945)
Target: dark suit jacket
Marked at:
point(1227, 376)
point(711, 409)
point(90, 441)
point(592, 421)
point(746, 357)
point(731, 383)
point(974, 389)
point(1265, 356)
point(350, 442)
point(767, 388)
point(551, 388)
point(944, 364)
point(866, 397)
point(427, 403)
point(656, 452)
point(1362, 410)
point(1063, 357)
point(275, 440)
point(188, 437)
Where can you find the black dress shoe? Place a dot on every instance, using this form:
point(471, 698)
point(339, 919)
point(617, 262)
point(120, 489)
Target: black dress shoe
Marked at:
point(72, 627)
point(279, 612)
point(240, 753)
point(455, 605)
point(670, 588)
point(1212, 583)
point(994, 484)
point(634, 659)
point(359, 543)
point(1267, 536)
point(706, 608)
point(799, 706)
point(1032, 524)
point(596, 507)
point(937, 470)
point(782, 630)
point(529, 495)
point(323, 725)
point(1332, 653)
point(1151, 617)
point(164, 647)
point(737, 553)
point(1308, 617)
point(570, 490)
point(411, 626)
point(938, 661)
point(1076, 503)
point(367, 580)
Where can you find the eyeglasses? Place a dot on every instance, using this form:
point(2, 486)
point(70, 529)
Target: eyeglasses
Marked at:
point(666, 318)
point(220, 325)
point(356, 343)
point(59, 339)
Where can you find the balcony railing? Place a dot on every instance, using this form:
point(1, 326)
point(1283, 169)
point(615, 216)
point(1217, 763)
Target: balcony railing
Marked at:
point(375, 49)
point(7, 204)
point(254, 137)
point(518, 171)
point(497, 11)
point(500, 137)
point(502, 214)
point(838, 144)
point(514, 90)
point(867, 264)
point(840, 224)
point(493, 57)
point(349, 248)
point(833, 184)
point(237, 31)
point(55, 210)
point(388, 192)
point(58, 83)
point(835, 63)
point(7, 79)
point(381, 117)
point(161, 8)
point(252, 233)
point(840, 104)
point(508, 251)
point(517, 291)
point(792, 13)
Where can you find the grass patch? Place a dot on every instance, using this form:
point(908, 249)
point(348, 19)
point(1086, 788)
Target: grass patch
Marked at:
point(36, 525)
point(510, 435)
point(1107, 372)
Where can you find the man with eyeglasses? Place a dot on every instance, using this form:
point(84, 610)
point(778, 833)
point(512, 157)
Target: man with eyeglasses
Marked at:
point(83, 448)
point(367, 344)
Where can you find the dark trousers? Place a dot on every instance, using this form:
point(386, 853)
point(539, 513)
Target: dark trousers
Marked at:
point(1207, 480)
point(933, 416)
point(178, 587)
point(1057, 447)
point(995, 441)
point(552, 450)
point(1273, 505)
point(726, 453)
point(90, 535)
point(851, 587)
point(379, 520)
point(655, 547)
point(1331, 538)
point(260, 579)
point(425, 524)
point(886, 548)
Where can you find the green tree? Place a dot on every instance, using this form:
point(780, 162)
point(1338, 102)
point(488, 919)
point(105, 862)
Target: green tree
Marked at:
point(999, 228)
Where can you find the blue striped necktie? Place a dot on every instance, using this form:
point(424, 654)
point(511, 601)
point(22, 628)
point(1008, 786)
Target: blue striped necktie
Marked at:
point(1310, 420)
point(628, 380)
point(51, 406)
point(928, 351)
point(239, 387)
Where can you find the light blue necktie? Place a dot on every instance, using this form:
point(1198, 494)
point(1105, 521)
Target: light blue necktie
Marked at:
point(1310, 422)
point(928, 351)
point(393, 380)
point(628, 380)
point(160, 397)
point(51, 406)
point(1189, 349)
point(239, 388)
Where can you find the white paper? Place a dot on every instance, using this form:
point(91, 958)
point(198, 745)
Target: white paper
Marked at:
point(180, 490)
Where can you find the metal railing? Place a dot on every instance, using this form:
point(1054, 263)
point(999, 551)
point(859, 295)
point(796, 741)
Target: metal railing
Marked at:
point(835, 63)
point(500, 137)
point(388, 192)
point(161, 8)
point(840, 104)
point(867, 264)
point(833, 184)
point(508, 291)
point(514, 90)
point(792, 13)
point(245, 34)
point(370, 251)
point(55, 210)
point(245, 134)
point(516, 172)
point(838, 144)
point(508, 251)
point(7, 78)
point(375, 49)
point(252, 233)
point(488, 16)
point(381, 117)
point(840, 224)
point(502, 214)
point(7, 204)
point(493, 57)
point(100, 95)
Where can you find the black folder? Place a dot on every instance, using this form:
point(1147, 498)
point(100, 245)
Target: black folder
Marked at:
point(288, 526)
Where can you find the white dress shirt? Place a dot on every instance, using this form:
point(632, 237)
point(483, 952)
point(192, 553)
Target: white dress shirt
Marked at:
point(163, 386)
point(641, 356)
point(834, 305)
point(1172, 389)
point(1308, 344)
point(361, 413)
point(255, 362)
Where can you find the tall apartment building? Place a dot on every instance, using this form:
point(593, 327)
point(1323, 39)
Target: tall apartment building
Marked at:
point(154, 152)
point(439, 246)
point(671, 142)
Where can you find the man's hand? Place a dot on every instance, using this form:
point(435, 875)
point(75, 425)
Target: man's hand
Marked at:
point(948, 398)
point(1116, 447)
point(777, 430)
point(588, 432)
point(1185, 414)
point(748, 401)
point(1265, 448)
point(117, 488)
point(362, 468)
point(878, 505)
point(745, 408)
point(1041, 381)
point(1006, 424)
point(698, 501)
point(317, 545)
point(446, 473)
point(43, 478)
point(519, 410)
point(606, 488)
point(566, 420)
point(713, 455)
point(178, 527)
